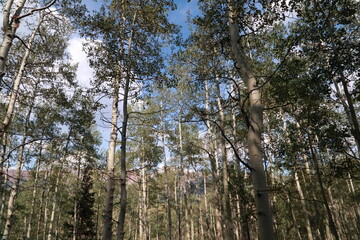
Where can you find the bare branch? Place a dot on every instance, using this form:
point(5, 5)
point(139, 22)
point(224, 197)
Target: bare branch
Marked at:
point(36, 10)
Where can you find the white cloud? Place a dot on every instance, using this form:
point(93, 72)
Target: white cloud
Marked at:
point(84, 72)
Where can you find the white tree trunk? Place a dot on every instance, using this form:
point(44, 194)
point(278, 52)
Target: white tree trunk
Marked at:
point(10, 25)
point(263, 209)
point(109, 201)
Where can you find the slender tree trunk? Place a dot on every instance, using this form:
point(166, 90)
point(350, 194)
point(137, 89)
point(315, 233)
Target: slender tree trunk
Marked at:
point(97, 228)
point(229, 227)
point(10, 25)
point(3, 179)
point(14, 190)
point(54, 201)
point(13, 97)
point(322, 190)
point(123, 193)
point(183, 173)
point(143, 223)
point(335, 207)
point(34, 194)
point(46, 211)
point(20, 161)
point(263, 209)
point(243, 225)
point(167, 187)
point(77, 188)
point(347, 101)
point(109, 201)
point(120, 232)
point(42, 206)
point(303, 206)
point(214, 169)
point(178, 204)
point(51, 232)
point(298, 186)
point(296, 225)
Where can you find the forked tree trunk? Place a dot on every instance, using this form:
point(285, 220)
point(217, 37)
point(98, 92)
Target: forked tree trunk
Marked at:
point(263, 209)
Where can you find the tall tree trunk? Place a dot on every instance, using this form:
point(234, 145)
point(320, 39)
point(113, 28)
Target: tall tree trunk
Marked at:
point(10, 25)
point(184, 174)
point(54, 201)
point(347, 101)
point(296, 225)
point(143, 223)
point(123, 193)
point(243, 224)
point(303, 205)
point(14, 190)
point(4, 176)
point(34, 194)
point(109, 201)
point(120, 232)
point(167, 187)
point(263, 209)
point(212, 150)
point(229, 227)
point(13, 97)
point(20, 158)
point(322, 189)
point(43, 201)
point(298, 184)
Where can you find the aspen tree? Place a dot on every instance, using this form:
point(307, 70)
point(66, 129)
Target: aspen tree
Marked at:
point(10, 110)
point(263, 209)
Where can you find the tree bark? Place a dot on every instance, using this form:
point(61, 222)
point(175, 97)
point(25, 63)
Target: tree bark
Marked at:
point(322, 190)
point(123, 193)
point(109, 201)
point(13, 97)
point(10, 25)
point(183, 173)
point(229, 227)
point(34, 193)
point(264, 212)
point(20, 158)
point(303, 206)
point(167, 187)
point(54, 202)
point(120, 233)
point(212, 150)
